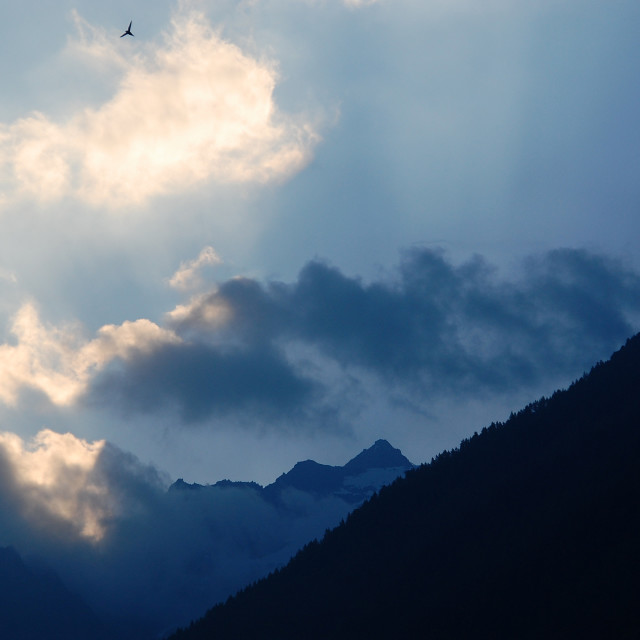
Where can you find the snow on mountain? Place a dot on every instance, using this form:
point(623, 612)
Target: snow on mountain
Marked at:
point(354, 482)
point(172, 554)
point(379, 456)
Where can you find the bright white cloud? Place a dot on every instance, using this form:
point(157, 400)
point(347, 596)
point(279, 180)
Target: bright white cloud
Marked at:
point(59, 363)
point(52, 477)
point(188, 275)
point(190, 109)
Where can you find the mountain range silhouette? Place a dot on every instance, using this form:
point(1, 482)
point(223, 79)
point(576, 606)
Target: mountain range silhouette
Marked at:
point(254, 529)
point(529, 529)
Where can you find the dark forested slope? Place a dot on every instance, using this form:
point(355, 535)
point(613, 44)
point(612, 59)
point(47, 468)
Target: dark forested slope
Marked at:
point(530, 529)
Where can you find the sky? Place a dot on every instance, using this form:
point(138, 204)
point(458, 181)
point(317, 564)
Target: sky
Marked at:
point(265, 231)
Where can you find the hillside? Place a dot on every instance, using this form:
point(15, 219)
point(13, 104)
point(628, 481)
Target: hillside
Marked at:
point(35, 604)
point(182, 551)
point(530, 529)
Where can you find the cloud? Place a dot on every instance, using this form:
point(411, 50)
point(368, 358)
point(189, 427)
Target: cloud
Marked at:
point(278, 353)
point(52, 483)
point(189, 109)
point(57, 362)
point(433, 328)
point(441, 325)
point(360, 3)
point(8, 276)
point(188, 275)
point(204, 381)
point(202, 310)
point(107, 525)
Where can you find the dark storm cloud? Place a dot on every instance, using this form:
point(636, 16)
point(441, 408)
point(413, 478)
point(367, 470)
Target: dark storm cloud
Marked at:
point(448, 325)
point(203, 380)
point(432, 327)
point(452, 327)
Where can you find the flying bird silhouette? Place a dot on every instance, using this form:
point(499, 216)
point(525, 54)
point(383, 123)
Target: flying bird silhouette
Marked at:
point(128, 31)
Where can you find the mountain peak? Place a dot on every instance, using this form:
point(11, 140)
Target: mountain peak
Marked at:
point(381, 455)
point(322, 479)
point(181, 485)
point(311, 476)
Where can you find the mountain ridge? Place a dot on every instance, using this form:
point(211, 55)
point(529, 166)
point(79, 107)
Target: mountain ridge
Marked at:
point(246, 530)
point(322, 480)
point(528, 529)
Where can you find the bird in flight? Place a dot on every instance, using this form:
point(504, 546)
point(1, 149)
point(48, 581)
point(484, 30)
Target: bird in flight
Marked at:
point(128, 31)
